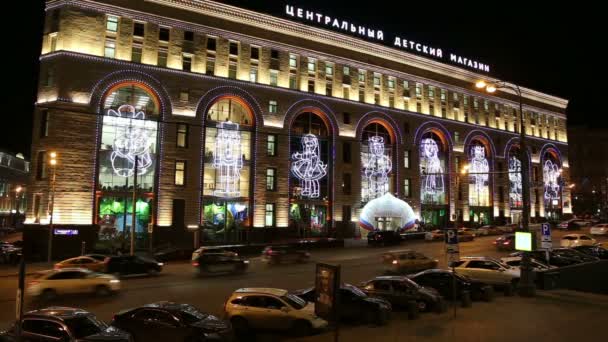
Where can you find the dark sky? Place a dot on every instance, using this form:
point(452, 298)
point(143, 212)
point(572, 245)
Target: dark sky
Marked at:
point(551, 48)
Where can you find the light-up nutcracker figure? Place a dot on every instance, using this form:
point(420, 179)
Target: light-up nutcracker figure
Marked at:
point(131, 141)
point(432, 184)
point(308, 167)
point(377, 168)
point(228, 159)
point(479, 169)
point(515, 179)
point(551, 176)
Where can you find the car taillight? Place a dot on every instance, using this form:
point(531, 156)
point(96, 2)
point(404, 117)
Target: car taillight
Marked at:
point(494, 242)
point(506, 242)
point(195, 264)
point(395, 262)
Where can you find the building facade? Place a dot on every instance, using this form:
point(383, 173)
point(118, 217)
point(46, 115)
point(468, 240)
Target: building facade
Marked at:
point(236, 122)
point(14, 176)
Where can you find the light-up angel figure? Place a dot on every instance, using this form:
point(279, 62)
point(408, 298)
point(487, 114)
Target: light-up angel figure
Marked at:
point(515, 179)
point(131, 141)
point(377, 168)
point(479, 168)
point(308, 167)
point(227, 159)
point(432, 179)
point(551, 175)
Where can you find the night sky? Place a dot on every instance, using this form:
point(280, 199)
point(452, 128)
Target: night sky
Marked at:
point(553, 49)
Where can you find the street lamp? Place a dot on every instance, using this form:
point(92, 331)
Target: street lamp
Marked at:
point(53, 163)
point(526, 284)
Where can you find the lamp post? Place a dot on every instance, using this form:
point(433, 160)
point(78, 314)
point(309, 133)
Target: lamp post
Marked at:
point(526, 285)
point(53, 163)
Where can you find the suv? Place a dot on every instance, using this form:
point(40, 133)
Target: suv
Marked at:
point(271, 309)
point(487, 270)
point(383, 238)
point(219, 262)
point(400, 290)
point(407, 261)
point(126, 265)
point(64, 324)
point(280, 254)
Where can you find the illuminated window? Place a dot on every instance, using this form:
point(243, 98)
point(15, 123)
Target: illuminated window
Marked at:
point(406, 159)
point(271, 145)
point(272, 107)
point(112, 23)
point(361, 75)
point(456, 136)
point(443, 95)
point(311, 65)
point(49, 77)
point(253, 74)
point(110, 48)
point(164, 34)
point(274, 77)
point(407, 187)
point(184, 95)
point(346, 92)
point(418, 90)
point(269, 215)
point(293, 61)
point(182, 135)
point(187, 62)
point(361, 94)
point(329, 69)
point(162, 58)
point(136, 52)
point(180, 172)
point(53, 38)
point(391, 83)
point(271, 179)
point(376, 80)
point(431, 92)
point(346, 71)
point(406, 89)
point(293, 81)
point(138, 29)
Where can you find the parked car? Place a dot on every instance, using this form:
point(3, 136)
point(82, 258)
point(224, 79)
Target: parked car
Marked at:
point(47, 285)
point(560, 257)
point(505, 242)
point(573, 224)
point(281, 254)
point(487, 270)
point(355, 305)
point(130, 265)
point(65, 324)
point(487, 230)
point(515, 262)
point(442, 281)
point(10, 253)
point(172, 254)
point(573, 240)
point(99, 257)
point(400, 290)
point(469, 231)
point(220, 262)
point(168, 321)
point(210, 249)
point(596, 251)
point(433, 235)
point(508, 228)
point(465, 234)
point(271, 309)
point(599, 229)
point(383, 238)
point(83, 262)
point(407, 261)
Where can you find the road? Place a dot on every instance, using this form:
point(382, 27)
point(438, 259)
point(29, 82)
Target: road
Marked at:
point(177, 282)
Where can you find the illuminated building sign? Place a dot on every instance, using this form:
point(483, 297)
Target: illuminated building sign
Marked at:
point(308, 167)
point(65, 231)
point(228, 159)
point(515, 192)
point(432, 188)
point(551, 174)
point(376, 168)
point(378, 35)
point(131, 140)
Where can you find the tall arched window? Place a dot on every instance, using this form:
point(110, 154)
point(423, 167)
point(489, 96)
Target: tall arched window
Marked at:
point(128, 149)
point(552, 179)
point(515, 180)
point(310, 172)
point(480, 182)
point(377, 154)
point(434, 184)
point(227, 182)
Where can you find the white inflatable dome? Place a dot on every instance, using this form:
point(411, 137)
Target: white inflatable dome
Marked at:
point(387, 206)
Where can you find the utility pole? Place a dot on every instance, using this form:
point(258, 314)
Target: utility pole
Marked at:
point(134, 205)
point(53, 163)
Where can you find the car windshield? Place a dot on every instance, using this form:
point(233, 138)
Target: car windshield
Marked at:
point(294, 301)
point(83, 326)
point(190, 314)
point(356, 291)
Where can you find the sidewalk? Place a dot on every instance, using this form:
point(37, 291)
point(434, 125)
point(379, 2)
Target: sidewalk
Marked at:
point(13, 271)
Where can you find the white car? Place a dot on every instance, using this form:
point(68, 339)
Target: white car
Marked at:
point(573, 240)
point(49, 284)
point(488, 270)
point(599, 229)
point(515, 262)
point(575, 222)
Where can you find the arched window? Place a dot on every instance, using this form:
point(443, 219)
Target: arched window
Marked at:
point(479, 177)
point(433, 162)
point(227, 182)
point(515, 180)
point(127, 150)
point(552, 179)
point(376, 161)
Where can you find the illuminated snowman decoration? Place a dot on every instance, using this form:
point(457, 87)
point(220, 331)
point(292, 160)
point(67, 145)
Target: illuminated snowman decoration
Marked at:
point(227, 159)
point(308, 167)
point(515, 179)
point(551, 175)
point(131, 142)
point(432, 183)
point(479, 168)
point(377, 168)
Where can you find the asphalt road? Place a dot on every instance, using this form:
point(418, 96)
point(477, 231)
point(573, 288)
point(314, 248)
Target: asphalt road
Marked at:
point(178, 283)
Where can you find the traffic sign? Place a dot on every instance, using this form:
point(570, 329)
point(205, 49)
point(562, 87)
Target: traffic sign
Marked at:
point(451, 241)
point(545, 239)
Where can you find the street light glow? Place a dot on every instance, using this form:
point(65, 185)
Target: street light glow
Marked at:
point(53, 154)
point(480, 84)
point(53, 162)
point(490, 89)
point(465, 169)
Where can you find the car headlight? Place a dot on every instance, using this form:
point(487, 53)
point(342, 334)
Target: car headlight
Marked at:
point(114, 281)
point(160, 264)
point(246, 261)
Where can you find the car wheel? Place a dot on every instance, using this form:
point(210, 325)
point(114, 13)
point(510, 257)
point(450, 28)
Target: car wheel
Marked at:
point(102, 291)
point(422, 306)
point(239, 324)
point(301, 328)
point(48, 295)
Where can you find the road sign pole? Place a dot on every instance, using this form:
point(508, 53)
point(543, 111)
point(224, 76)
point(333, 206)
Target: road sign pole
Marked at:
point(19, 301)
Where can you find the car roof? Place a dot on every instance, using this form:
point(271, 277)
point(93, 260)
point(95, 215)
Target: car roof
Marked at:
point(262, 290)
point(390, 278)
point(400, 251)
point(477, 258)
point(59, 312)
point(75, 258)
point(167, 305)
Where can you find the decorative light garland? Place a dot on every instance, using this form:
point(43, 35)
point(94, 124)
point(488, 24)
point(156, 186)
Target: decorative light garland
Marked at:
point(479, 168)
point(551, 176)
point(515, 180)
point(376, 168)
point(308, 167)
point(432, 184)
point(227, 159)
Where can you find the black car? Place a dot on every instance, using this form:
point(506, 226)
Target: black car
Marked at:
point(127, 265)
point(355, 305)
point(400, 291)
point(167, 321)
point(505, 242)
point(10, 253)
point(172, 254)
point(442, 281)
point(65, 324)
point(281, 254)
point(596, 251)
point(383, 238)
point(560, 257)
point(220, 262)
